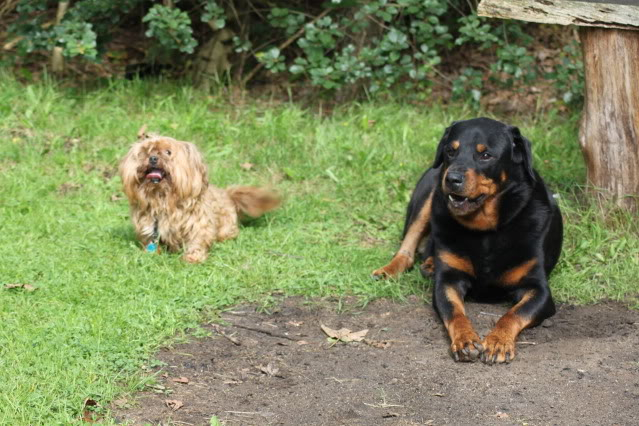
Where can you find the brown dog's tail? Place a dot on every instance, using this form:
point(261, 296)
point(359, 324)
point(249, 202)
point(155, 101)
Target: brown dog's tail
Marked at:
point(253, 201)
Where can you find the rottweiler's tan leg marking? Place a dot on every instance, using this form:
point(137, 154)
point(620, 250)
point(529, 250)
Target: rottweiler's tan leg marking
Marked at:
point(514, 275)
point(457, 262)
point(405, 256)
point(499, 345)
point(465, 343)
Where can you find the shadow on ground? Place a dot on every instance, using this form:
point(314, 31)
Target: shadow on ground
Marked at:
point(582, 367)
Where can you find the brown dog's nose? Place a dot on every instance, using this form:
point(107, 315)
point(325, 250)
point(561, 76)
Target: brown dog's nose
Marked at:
point(455, 181)
point(153, 160)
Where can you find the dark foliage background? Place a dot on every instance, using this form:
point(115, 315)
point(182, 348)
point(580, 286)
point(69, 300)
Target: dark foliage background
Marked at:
point(351, 47)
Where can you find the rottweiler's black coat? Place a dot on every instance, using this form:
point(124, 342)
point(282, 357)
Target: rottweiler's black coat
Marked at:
point(485, 225)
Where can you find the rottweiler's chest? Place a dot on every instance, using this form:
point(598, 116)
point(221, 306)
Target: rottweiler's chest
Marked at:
point(492, 259)
point(489, 257)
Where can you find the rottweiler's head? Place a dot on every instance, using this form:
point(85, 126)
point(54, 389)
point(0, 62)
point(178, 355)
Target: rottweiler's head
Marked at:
point(479, 157)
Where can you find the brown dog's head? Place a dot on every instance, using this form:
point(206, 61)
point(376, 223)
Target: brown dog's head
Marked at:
point(479, 157)
point(159, 164)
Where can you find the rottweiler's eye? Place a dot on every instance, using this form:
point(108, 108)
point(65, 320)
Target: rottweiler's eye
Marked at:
point(168, 152)
point(485, 156)
point(450, 152)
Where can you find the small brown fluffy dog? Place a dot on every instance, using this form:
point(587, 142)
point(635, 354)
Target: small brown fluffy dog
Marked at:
point(173, 203)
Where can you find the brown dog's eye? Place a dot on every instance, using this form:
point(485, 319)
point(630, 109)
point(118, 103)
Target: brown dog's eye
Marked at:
point(168, 152)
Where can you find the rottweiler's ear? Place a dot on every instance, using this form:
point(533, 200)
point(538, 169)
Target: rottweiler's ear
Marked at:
point(439, 156)
point(522, 153)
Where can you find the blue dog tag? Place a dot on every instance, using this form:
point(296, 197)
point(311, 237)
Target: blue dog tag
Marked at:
point(152, 247)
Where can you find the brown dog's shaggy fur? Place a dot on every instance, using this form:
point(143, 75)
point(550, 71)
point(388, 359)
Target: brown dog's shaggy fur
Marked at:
point(173, 203)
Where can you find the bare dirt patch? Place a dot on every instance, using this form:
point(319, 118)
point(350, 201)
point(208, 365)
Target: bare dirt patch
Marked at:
point(582, 367)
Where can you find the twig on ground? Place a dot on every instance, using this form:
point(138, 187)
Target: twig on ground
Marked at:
point(382, 405)
point(250, 413)
point(223, 334)
point(231, 339)
point(270, 333)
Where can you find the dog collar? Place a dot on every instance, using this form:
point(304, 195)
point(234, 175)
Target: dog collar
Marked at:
point(152, 247)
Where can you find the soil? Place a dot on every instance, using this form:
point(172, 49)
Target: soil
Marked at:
point(579, 368)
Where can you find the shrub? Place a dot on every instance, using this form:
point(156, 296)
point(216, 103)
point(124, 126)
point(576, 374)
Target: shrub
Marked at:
point(372, 45)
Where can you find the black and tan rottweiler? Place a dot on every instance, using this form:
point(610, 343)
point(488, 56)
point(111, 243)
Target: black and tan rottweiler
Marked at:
point(482, 221)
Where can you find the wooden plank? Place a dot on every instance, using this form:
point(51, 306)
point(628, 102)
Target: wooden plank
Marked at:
point(564, 12)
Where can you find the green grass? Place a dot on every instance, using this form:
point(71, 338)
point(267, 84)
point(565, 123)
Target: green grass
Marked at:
point(102, 305)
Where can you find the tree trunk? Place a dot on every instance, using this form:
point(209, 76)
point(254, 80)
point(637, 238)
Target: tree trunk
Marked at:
point(57, 60)
point(609, 134)
point(212, 62)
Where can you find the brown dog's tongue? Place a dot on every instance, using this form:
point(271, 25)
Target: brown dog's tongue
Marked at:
point(154, 175)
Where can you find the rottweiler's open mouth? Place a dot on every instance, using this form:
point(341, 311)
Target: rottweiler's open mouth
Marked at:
point(463, 204)
point(155, 175)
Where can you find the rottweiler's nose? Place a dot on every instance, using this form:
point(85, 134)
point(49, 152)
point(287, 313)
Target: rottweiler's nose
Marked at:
point(455, 180)
point(153, 160)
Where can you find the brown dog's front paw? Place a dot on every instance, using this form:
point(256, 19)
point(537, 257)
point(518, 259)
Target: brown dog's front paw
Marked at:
point(194, 257)
point(466, 347)
point(498, 348)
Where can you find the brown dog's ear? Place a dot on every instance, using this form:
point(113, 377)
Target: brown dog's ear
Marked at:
point(189, 173)
point(521, 151)
point(128, 173)
point(439, 155)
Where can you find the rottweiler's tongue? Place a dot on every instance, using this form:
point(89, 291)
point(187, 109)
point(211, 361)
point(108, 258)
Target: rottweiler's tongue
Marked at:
point(154, 175)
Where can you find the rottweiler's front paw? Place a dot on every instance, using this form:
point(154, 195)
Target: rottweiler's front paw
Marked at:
point(399, 264)
point(427, 267)
point(498, 348)
point(466, 347)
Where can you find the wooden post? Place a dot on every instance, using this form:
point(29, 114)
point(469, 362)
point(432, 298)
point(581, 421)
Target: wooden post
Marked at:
point(609, 134)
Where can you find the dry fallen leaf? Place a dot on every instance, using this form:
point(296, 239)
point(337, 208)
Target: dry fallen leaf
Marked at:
point(26, 287)
point(501, 415)
point(174, 404)
point(302, 342)
point(158, 388)
point(180, 380)
point(247, 166)
point(68, 187)
point(295, 323)
point(116, 197)
point(10, 286)
point(88, 413)
point(269, 370)
point(344, 334)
